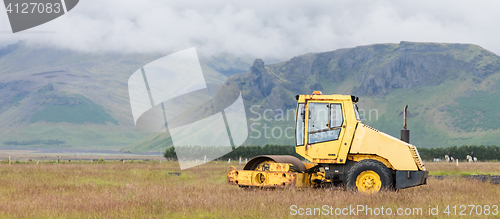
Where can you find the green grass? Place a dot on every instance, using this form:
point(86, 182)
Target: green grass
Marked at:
point(72, 109)
point(460, 173)
point(463, 168)
point(479, 110)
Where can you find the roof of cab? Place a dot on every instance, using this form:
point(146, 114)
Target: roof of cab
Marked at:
point(304, 97)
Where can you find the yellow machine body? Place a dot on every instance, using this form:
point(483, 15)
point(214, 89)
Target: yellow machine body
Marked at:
point(277, 175)
point(400, 155)
point(355, 139)
point(329, 133)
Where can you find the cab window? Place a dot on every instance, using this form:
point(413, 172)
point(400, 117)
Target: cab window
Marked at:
point(356, 111)
point(299, 125)
point(325, 122)
point(336, 118)
point(318, 116)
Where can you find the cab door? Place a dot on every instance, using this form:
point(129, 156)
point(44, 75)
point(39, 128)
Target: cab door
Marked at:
point(325, 130)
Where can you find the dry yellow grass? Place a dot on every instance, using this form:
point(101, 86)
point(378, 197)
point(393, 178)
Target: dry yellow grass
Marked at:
point(145, 190)
point(465, 168)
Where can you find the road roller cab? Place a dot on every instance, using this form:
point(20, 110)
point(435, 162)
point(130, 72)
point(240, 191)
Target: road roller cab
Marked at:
point(340, 150)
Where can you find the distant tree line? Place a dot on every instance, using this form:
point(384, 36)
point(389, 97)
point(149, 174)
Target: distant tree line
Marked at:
point(481, 152)
point(34, 142)
point(198, 152)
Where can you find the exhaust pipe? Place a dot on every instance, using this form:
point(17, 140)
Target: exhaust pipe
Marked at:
point(405, 133)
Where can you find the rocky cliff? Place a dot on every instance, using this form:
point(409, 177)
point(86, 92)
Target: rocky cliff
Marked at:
point(379, 73)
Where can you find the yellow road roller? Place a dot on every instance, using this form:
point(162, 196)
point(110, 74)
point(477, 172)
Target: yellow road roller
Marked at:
point(341, 151)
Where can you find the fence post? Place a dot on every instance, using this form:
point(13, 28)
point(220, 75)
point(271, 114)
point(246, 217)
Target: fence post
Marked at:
point(457, 162)
point(240, 160)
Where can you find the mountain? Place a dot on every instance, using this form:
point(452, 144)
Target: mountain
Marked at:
point(452, 91)
point(66, 99)
point(57, 98)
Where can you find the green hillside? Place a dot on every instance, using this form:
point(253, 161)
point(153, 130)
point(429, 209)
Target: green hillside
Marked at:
point(157, 142)
point(452, 90)
point(75, 109)
point(51, 95)
point(81, 99)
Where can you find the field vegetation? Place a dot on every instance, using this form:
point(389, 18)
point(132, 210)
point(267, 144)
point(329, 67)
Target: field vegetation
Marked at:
point(145, 189)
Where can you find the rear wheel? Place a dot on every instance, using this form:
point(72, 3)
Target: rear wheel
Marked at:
point(369, 176)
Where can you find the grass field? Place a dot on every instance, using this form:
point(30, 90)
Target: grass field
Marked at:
point(146, 190)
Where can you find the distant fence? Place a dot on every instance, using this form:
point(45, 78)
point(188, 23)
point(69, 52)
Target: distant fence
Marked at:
point(243, 151)
point(77, 160)
point(482, 152)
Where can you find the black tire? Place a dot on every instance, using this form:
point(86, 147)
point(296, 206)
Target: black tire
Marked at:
point(379, 168)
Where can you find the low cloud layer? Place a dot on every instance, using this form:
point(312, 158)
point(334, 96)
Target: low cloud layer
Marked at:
point(264, 29)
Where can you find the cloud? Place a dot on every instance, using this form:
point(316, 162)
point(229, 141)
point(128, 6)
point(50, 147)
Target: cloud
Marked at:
point(266, 29)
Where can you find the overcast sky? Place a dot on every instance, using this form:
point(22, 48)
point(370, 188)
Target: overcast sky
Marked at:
point(261, 29)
